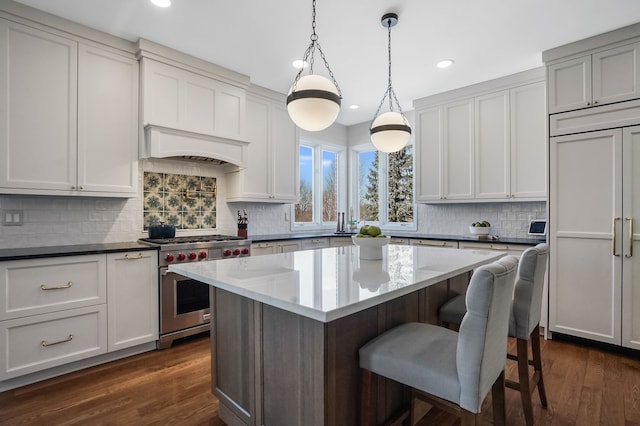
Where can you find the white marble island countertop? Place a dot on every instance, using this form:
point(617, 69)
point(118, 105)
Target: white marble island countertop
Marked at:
point(327, 284)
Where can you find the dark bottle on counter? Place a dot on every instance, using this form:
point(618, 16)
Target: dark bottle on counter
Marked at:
point(243, 222)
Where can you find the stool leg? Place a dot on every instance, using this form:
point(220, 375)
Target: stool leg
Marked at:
point(498, 401)
point(537, 364)
point(523, 380)
point(367, 396)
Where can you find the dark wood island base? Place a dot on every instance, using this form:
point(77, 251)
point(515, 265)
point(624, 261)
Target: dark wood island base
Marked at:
point(273, 367)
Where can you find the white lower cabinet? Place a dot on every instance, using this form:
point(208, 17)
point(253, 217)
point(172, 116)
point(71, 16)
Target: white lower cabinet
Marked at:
point(40, 286)
point(515, 250)
point(340, 241)
point(314, 243)
point(273, 247)
point(48, 340)
point(58, 310)
point(434, 243)
point(132, 286)
point(400, 241)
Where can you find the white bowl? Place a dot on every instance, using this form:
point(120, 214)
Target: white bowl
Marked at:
point(480, 230)
point(370, 248)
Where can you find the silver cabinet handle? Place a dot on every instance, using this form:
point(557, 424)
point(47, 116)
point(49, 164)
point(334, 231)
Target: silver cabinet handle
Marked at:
point(630, 219)
point(139, 256)
point(44, 343)
point(615, 232)
point(60, 287)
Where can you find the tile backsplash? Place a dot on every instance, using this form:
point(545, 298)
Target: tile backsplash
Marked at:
point(188, 202)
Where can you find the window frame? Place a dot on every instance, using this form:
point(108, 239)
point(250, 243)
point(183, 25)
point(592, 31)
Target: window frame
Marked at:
point(383, 189)
point(318, 148)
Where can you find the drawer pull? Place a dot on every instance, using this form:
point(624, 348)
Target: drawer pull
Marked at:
point(44, 343)
point(498, 248)
point(139, 256)
point(60, 287)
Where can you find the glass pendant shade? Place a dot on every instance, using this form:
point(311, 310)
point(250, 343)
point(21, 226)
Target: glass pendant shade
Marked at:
point(315, 103)
point(390, 132)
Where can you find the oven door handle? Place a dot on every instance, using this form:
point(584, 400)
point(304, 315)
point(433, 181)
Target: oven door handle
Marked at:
point(164, 271)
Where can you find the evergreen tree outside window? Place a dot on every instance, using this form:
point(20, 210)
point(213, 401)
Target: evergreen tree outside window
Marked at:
point(384, 188)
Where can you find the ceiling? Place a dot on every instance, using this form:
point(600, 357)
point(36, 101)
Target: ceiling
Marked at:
point(260, 38)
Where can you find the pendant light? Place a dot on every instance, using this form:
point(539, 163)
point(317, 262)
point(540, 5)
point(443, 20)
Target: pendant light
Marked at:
point(313, 102)
point(390, 132)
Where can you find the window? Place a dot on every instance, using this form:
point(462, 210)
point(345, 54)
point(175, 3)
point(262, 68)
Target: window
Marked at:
point(383, 187)
point(321, 171)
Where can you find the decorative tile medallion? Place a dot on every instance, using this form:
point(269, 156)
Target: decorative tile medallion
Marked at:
point(188, 202)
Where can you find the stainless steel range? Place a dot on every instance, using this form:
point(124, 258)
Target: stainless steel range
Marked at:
point(184, 303)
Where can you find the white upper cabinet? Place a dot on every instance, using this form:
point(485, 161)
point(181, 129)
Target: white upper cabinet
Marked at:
point(179, 99)
point(38, 121)
point(271, 173)
point(107, 122)
point(528, 171)
point(429, 154)
point(602, 77)
point(70, 116)
point(492, 148)
point(488, 147)
point(458, 167)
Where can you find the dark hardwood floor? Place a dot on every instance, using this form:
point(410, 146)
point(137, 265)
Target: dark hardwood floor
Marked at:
point(585, 386)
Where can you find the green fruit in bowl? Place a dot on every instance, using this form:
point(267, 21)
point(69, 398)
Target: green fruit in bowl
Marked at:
point(374, 231)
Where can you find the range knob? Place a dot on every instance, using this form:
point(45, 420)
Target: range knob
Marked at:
point(169, 257)
point(181, 257)
point(236, 252)
point(245, 251)
point(193, 255)
point(203, 255)
point(227, 252)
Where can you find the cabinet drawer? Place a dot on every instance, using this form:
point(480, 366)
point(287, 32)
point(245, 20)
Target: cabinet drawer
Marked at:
point(49, 340)
point(435, 243)
point(38, 286)
point(515, 250)
point(314, 243)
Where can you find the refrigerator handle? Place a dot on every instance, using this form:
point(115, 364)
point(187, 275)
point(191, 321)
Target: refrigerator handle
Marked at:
point(615, 234)
point(630, 219)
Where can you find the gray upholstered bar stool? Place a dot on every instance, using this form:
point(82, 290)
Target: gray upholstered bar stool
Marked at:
point(523, 324)
point(452, 371)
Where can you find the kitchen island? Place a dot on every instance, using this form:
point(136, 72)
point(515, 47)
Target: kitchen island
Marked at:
point(286, 328)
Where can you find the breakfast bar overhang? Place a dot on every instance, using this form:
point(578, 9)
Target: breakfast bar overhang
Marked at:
point(286, 328)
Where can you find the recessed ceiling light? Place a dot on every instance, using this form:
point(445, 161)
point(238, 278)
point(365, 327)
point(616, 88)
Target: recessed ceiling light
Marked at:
point(161, 3)
point(354, 106)
point(299, 63)
point(445, 63)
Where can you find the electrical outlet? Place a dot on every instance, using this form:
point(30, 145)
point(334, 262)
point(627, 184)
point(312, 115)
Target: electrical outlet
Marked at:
point(12, 217)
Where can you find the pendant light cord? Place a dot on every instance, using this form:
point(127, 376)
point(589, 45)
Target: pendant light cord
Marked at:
point(389, 93)
point(310, 53)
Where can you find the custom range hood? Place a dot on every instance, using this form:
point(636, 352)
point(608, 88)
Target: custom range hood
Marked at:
point(191, 109)
point(162, 142)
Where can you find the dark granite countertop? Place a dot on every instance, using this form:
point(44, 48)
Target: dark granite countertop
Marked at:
point(416, 236)
point(70, 250)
